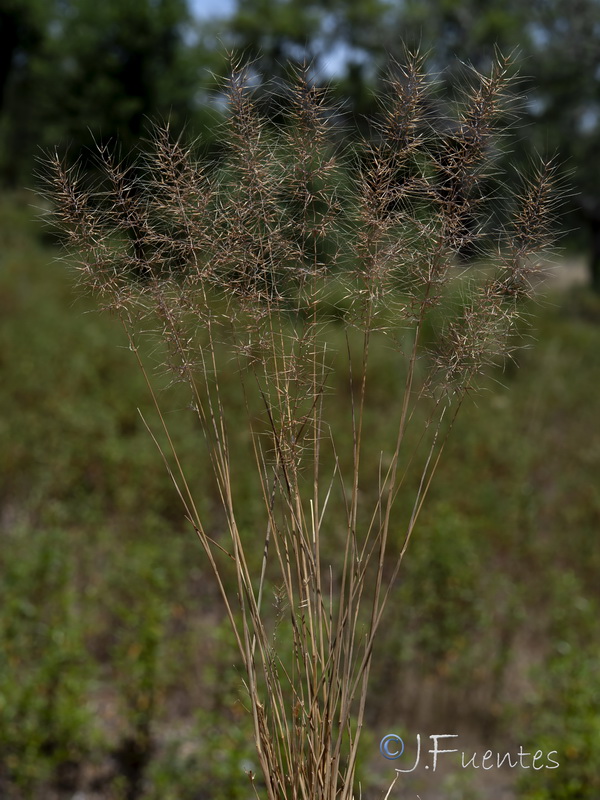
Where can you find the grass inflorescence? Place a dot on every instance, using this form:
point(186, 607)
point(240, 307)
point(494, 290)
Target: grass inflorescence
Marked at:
point(267, 268)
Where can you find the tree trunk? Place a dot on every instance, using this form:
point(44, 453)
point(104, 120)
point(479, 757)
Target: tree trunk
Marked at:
point(9, 39)
point(590, 209)
point(594, 223)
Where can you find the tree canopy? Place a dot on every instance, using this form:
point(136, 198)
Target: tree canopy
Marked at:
point(77, 70)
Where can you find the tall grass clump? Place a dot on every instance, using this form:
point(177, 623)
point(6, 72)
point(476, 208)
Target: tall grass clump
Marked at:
point(281, 269)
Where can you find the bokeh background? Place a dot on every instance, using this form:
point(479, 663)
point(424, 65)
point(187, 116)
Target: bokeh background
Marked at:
point(117, 669)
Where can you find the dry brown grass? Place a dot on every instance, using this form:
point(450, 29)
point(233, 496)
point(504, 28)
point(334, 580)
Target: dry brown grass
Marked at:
point(238, 263)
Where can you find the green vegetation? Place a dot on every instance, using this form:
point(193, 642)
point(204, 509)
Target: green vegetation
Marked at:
point(117, 667)
point(97, 643)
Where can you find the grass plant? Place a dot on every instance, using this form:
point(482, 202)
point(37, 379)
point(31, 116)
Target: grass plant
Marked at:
point(271, 269)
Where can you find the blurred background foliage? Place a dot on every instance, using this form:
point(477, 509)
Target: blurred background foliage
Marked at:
point(117, 675)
